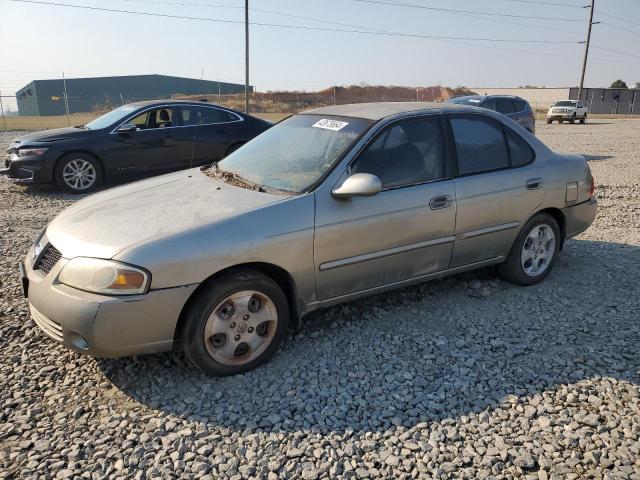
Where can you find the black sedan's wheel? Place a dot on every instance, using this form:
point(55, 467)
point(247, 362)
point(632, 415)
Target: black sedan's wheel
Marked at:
point(534, 251)
point(235, 323)
point(78, 173)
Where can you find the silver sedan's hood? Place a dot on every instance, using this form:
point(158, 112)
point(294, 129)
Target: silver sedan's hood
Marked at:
point(106, 223)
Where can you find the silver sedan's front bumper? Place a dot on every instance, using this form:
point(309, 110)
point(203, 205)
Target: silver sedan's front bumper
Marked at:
point(100, 325)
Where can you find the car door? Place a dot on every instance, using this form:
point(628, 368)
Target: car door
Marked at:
point(216, 130)
point(403, 232)
point(498, 187)
point(153, 146)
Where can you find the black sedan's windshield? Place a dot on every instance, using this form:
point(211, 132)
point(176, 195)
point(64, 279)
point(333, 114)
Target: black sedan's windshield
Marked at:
point(111, 117)
point(295, 153)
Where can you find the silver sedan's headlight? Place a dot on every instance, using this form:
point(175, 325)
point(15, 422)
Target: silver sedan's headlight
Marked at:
point(104, 276)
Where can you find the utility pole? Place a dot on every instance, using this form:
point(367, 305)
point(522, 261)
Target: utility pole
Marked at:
point(586, 49)
point(66, 99)
point(246, 56)
point(4, 121)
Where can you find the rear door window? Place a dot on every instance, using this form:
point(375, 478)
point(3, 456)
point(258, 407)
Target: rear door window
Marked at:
point(480, 144)
point(505, 106)
point(520, 105)
point(490, 104)
point(194, 115)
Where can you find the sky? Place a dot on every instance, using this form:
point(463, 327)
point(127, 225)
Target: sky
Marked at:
point(41, 41)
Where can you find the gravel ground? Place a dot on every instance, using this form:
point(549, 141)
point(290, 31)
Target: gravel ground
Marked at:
point(467, 377)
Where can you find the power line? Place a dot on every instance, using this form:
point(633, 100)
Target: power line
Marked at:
point(474, 12)
point(600, 12)
point(616, 27)
point(535, 2)
point(300, 27)
point(331, 22)
point(615, 51)
point(272, 12)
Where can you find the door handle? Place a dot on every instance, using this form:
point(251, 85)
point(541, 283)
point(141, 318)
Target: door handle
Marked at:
point(533, 183)
point(442, 201)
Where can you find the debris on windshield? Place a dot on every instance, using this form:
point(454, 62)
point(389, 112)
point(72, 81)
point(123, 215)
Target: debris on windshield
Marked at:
point(231, 178)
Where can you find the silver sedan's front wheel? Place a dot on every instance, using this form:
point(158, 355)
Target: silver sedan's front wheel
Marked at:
point(241, 327)
point(534, 251)
point(235, 322)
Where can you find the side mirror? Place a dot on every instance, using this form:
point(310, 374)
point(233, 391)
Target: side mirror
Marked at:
point(358, 185)
point(127, 128)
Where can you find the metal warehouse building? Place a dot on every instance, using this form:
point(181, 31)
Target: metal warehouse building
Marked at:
point(46, 97)
point(610, 100)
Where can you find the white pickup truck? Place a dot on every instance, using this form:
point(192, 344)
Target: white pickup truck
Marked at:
point(570, 110)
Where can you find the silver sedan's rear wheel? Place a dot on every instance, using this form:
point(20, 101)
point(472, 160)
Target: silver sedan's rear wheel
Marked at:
point(234, 323)
point(78, 173)
point(538, 250)
point(534, 252)
point(241, 327)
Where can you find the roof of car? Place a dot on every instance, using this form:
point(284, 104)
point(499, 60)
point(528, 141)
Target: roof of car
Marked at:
point(169, 101)
point(379, 110)
point(489, 96)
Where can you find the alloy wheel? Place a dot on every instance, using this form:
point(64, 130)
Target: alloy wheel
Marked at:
point(79, 174)
point(241, 327)
point(538, 250)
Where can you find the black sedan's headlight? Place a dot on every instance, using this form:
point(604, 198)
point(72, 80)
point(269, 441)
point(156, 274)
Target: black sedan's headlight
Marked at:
point(31, 151)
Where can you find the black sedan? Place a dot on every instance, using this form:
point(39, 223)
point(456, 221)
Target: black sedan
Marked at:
point(136, 139)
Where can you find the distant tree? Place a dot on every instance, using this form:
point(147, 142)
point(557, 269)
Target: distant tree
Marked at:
point(619, 84)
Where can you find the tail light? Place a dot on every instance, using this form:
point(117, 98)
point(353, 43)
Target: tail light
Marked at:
point(592, 188)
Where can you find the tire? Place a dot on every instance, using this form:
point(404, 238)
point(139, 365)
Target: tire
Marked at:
point(583, 119)
point(514, 269)
point(78, 173)
point(573, 119)
point(549, 121)
point(560, 120)
point(225, 307)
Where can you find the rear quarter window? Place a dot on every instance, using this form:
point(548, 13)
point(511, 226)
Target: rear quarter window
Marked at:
point(519, 150)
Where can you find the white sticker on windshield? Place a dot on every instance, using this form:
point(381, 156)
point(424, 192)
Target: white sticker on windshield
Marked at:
point(474, 100)
point(334, 125)
point(127, 109)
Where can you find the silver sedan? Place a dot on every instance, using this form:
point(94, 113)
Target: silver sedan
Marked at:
point(328, 205)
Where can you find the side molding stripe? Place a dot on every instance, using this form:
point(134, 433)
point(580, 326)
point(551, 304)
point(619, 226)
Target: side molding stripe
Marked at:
point(343, 262)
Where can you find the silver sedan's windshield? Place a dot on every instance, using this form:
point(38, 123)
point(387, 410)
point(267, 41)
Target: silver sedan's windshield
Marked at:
point(294, 154)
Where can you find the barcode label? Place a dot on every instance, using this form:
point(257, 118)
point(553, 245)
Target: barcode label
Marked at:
point(327, 124)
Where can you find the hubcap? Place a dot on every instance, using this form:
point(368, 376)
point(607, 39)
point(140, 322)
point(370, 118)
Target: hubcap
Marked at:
point(241, 327)
point(79, 174)
point(538, 250)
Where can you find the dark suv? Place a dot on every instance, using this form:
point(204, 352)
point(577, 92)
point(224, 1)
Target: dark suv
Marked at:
point(516, 108)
